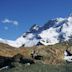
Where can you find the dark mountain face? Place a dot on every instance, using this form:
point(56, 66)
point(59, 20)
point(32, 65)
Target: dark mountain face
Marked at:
point(49, 24)
point(34, 28)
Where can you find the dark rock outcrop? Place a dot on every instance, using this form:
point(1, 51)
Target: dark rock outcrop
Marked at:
point(8, 61)
point(5, 61)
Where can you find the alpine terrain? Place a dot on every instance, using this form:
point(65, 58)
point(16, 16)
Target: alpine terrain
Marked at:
point(54, 31)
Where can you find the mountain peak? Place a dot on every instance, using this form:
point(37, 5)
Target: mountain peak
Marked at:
point(54, 31)
point(35, 27)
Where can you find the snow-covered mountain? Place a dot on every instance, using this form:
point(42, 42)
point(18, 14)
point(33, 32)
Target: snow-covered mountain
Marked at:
point(54, 31)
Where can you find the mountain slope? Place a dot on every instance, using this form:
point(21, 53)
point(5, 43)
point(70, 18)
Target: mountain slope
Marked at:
point(53, 54)
point(54, 31)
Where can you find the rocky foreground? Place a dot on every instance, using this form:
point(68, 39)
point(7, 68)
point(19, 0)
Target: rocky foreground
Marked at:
point(44, 54)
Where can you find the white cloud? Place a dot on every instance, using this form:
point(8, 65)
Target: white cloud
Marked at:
point(14, 22)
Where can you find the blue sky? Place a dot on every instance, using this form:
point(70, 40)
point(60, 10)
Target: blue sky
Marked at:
point(17, 16)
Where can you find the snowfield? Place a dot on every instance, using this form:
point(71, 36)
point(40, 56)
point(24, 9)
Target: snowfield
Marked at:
point(54, 31)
